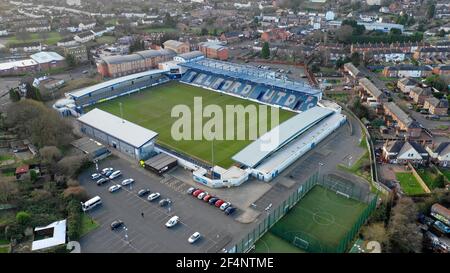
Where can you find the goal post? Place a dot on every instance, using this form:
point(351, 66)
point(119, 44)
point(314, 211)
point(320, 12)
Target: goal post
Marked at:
point(300, 243)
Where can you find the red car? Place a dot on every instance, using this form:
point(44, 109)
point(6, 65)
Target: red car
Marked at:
point(207, 197)
point(197, 192)
point(219, 203)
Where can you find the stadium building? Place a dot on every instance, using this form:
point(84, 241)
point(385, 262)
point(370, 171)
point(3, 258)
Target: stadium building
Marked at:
point(124, 136)
point(315, 119)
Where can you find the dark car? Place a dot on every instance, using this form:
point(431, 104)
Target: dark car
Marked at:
point(143, 192)
point(213, 200)
point(165, 202)
point(230, 210)
point(102, 181)
point(116, 224)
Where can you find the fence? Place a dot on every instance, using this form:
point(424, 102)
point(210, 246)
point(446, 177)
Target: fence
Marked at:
point(311, 244)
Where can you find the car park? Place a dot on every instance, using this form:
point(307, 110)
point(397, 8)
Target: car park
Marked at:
point(219, 203)
point(153, 196)
point(116, 224)
point(197, 192)
point(95, 176)
point(143, 192)
point(201, 195)
point(207, 197)
point(194, 237)
point(230, 210)
point(213, 200)
point(127, 181)
point(165, 202)
point(172, 221)
point(191, 190)
point(114, 188)
point(102, 181)
point(225, 205)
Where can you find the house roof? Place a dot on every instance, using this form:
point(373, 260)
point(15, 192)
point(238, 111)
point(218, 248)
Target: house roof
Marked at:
point(394, 147)
point(438, 103)
point(421, 91)
point(370, 87)
point(401, 146)
point(399, 113)
point(121, 129)
point(408, 81)
point(46, 57)
point(173, 43)
point(443, 148)
point(58, 238)
point(22, 169)
point(85, 34)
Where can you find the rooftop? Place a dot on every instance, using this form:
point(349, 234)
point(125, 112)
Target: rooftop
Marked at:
point(276, 138)
point(46, 57)
point(370, 87)
point(58, 231)
point(112, 125)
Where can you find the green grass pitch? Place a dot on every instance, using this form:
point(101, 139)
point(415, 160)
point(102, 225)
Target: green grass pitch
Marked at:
point(152, 109)
point(322, 219)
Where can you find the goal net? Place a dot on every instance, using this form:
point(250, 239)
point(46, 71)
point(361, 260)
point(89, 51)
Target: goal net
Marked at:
point(301, 243)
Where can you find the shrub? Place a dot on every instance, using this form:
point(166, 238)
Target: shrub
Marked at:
point(23, 217)
point(73, 219)
point(78, 193)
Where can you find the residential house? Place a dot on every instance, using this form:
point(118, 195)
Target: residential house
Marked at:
point(84, 37)
point(442, 70)
point(404, 152)
point(231, 37)
point(436, 106)
point(406, 84)
point(402, 122)
point(87, 25)
point(352, 70)
point(369, 93)
point(79, 52)
point(26, 47)
point(177, 46)
point(401, 71)
point(68, 41)
point(213, 50)
point(277, 34)
point(385, 55)
point(440, 154)
point(419, 94)
point(432, 52)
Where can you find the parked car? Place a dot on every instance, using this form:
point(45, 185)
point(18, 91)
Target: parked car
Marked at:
point(115, 174)
point(114, 188)
point(165, 202)
point(191, 190)
point(172, 221)
point(197, 192)
point(225, 205)
point(116, 224)
point(201, 195)
point(213, 200)
point(219, 203)
point(153, 196)
point(230, 210)
point(143, 192)
point(194, 237)
point(105, 170)
point(108, 173)
point(95, 176)
point(127, 181)
point(102, 181)
point(207, 197)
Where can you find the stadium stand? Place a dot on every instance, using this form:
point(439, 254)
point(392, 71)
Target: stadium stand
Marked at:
point(250, 82)
point(117, 87)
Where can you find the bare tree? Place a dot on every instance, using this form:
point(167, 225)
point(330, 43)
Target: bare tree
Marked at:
point(344, 33)
point(8, 189)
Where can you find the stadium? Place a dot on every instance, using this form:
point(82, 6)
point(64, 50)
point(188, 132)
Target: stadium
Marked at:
point(133, 115)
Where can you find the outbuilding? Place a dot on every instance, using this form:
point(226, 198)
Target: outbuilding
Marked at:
point(160, 163)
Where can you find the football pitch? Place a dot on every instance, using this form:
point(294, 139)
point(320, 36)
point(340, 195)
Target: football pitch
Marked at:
point(319, 221)
point(151, 108)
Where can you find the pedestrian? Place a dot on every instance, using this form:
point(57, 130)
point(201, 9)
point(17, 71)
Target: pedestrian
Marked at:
point(142, 214)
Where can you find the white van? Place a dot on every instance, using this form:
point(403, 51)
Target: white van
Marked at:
point(91, 203)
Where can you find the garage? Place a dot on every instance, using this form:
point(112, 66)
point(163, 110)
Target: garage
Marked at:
point(160, 163)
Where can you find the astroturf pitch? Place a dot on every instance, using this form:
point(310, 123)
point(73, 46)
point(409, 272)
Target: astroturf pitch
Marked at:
point(320, 220)
point(151, 108)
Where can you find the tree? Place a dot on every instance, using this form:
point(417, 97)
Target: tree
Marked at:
point(32, 92)
point(71, 61)
point(23, 217)
point(169, 21)
point(355, 58)
point(14, 95)
point(404, 234)
point(395, 31)
point(204, 31)
point(8, 190)
point(33, 175)
point(376, 232)
point(265, 52)
point(344, 33)
point(79, 193)
point(430, 11)
point(71, 165)
point(41, 125)
point(50, 154)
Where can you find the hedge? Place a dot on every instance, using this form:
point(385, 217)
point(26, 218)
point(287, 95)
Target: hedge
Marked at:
point(73, 219)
